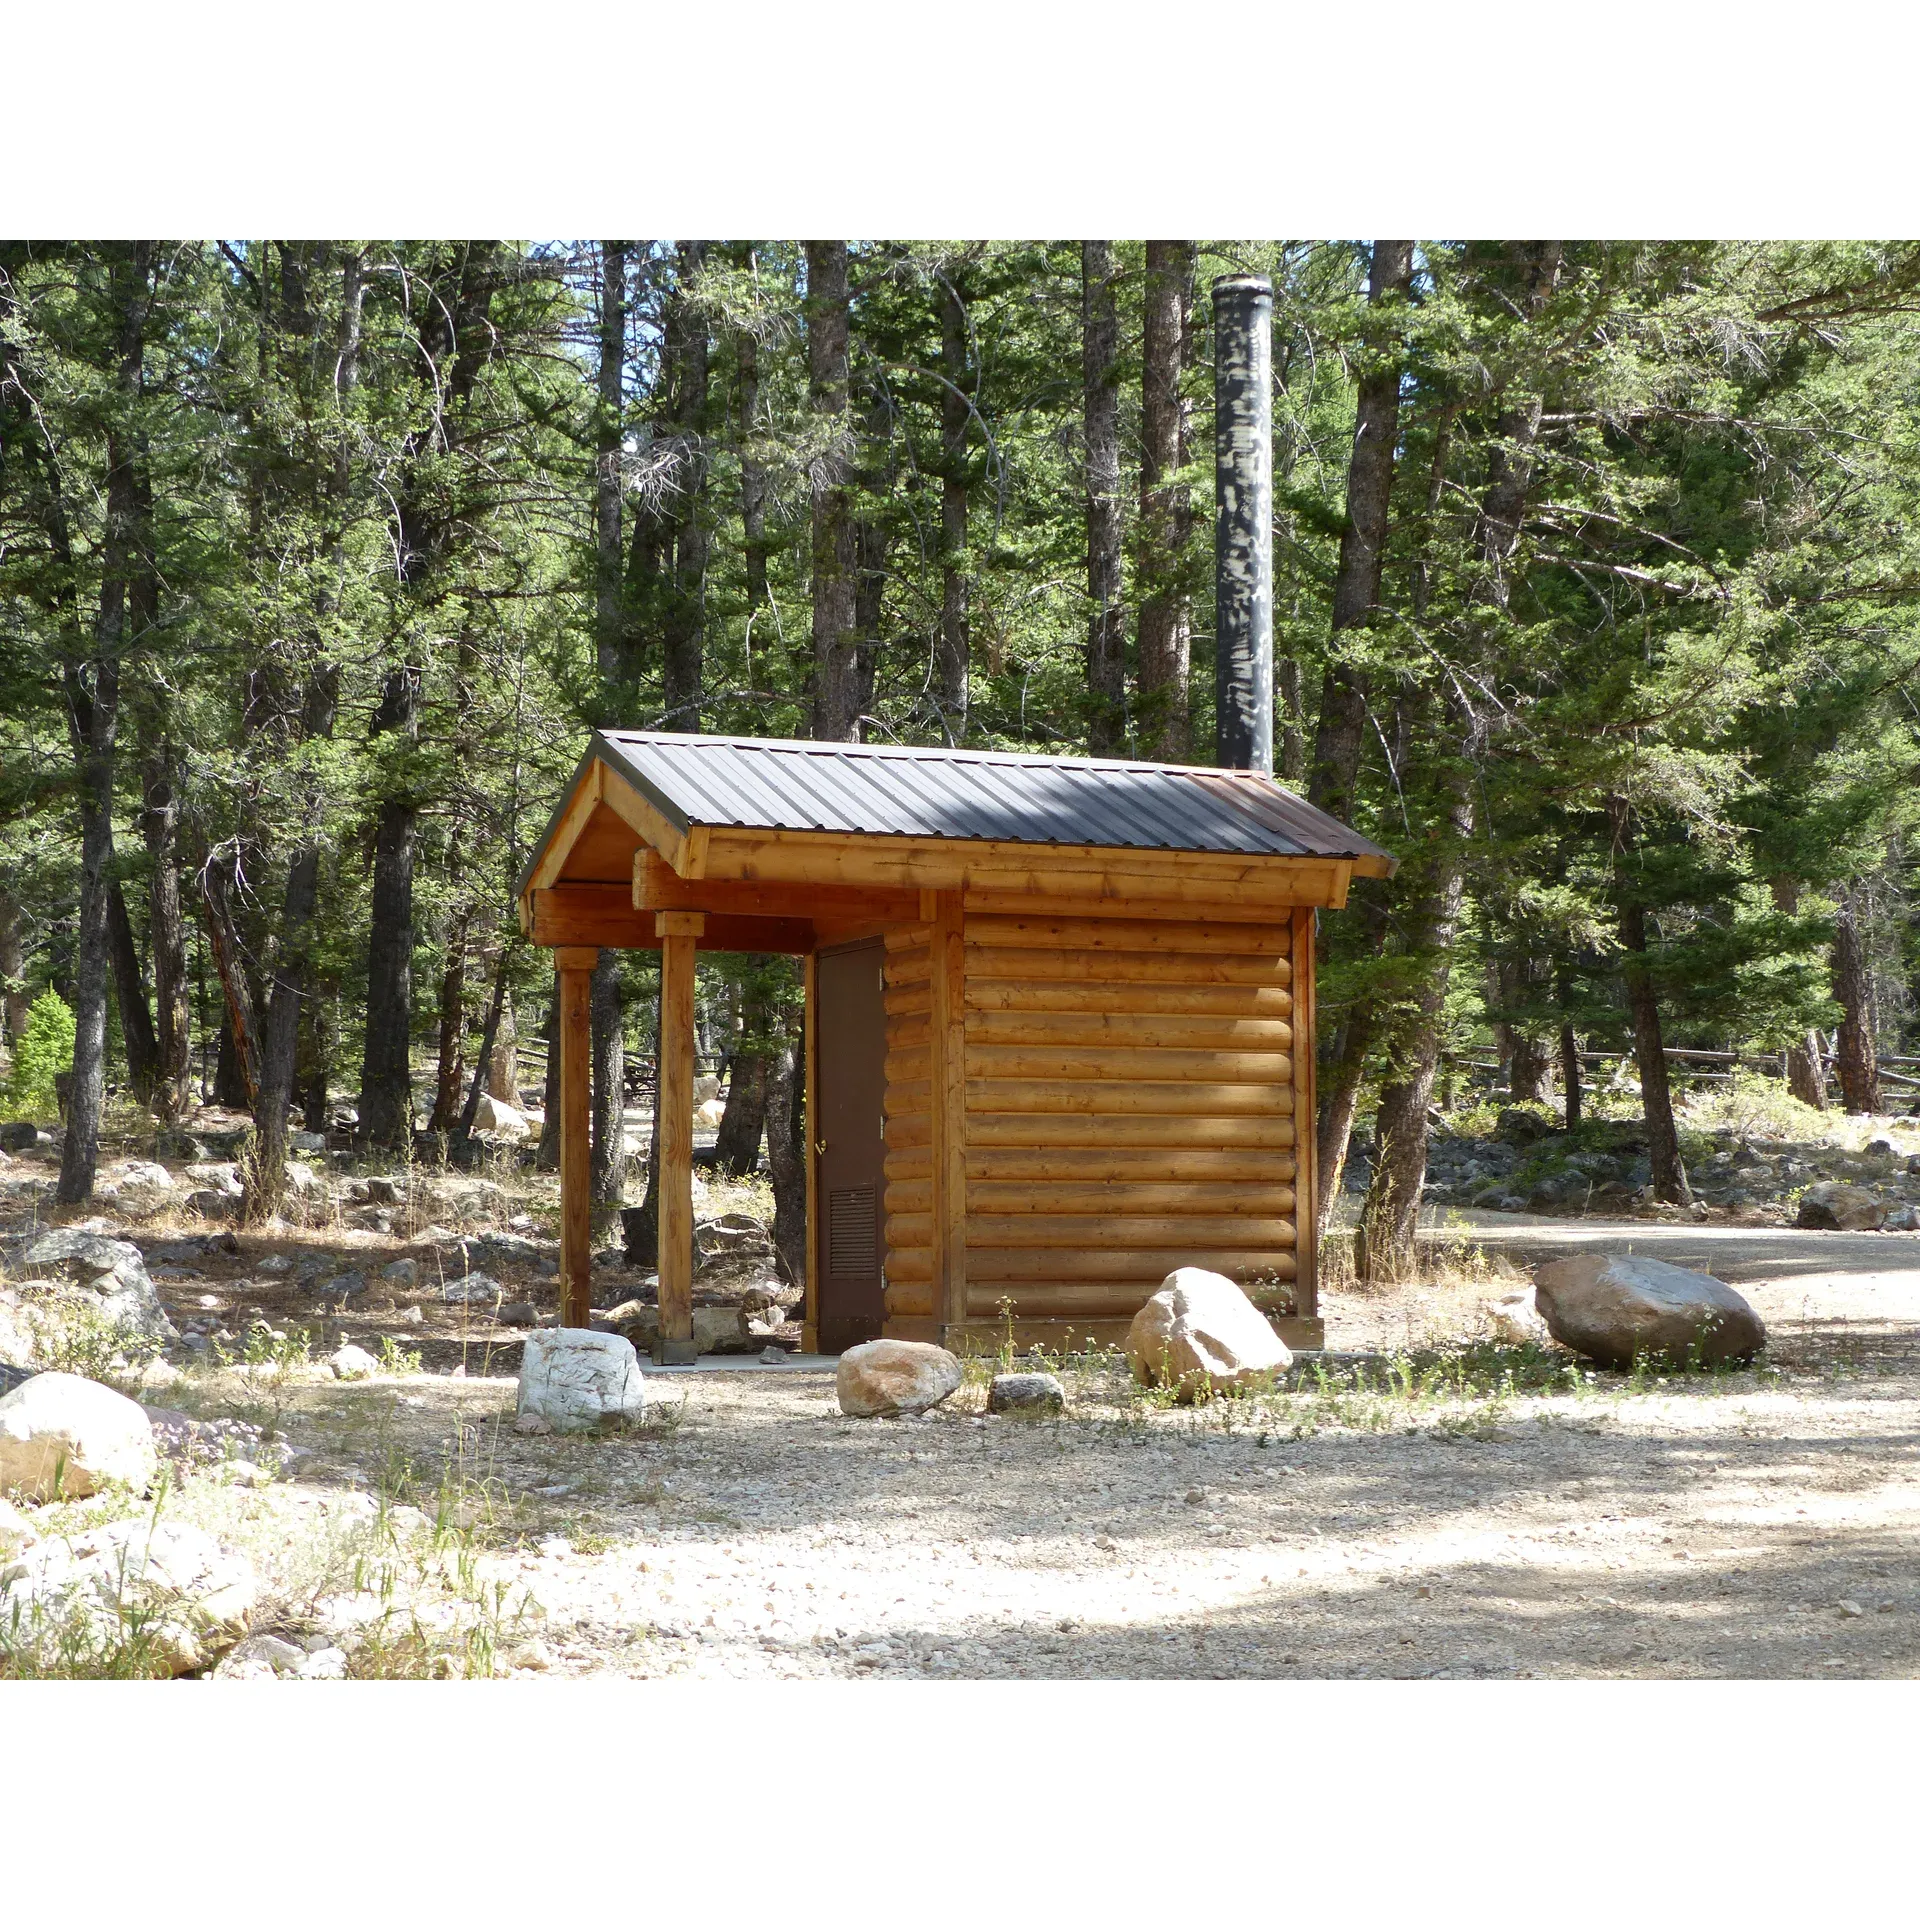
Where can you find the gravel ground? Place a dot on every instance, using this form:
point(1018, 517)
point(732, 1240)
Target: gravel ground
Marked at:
point(1758, 1526)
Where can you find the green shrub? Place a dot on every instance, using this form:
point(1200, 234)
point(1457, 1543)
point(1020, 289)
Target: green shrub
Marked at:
point(46, 1049)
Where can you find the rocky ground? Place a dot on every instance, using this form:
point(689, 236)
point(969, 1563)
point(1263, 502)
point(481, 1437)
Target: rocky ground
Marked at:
point(1458, 1509)
point(1743, 1173)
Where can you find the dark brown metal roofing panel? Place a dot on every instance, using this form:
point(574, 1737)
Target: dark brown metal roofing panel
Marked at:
point(821, 786)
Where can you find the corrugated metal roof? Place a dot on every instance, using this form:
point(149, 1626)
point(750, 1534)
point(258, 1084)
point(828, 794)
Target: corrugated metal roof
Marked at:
point(813, 786)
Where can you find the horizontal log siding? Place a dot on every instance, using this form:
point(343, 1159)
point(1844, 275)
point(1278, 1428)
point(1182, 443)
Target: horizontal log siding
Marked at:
point(1129, 1111)
point(908, 1106)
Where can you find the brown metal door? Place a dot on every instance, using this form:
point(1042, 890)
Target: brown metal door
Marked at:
point(851, 1036)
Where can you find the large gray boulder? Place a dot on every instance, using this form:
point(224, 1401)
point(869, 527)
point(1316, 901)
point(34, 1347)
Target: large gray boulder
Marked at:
point(142, 1188)
point(1201, 1334)
point(109, 1271)
point(1613, 1307)
point(581, 1381)
point(65, 1437)
point(883, 1377)
point(1832, 1204)
point(152, 1592)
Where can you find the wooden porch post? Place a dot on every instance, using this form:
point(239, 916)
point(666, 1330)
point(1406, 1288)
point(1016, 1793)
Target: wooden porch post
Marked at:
point(574, 966)
point(674, 1119)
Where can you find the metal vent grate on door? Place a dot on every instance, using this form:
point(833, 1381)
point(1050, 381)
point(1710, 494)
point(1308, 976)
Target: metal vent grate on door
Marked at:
point(853, 1240)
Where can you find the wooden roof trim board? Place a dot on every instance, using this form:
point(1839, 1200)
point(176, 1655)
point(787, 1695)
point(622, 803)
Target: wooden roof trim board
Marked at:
point(995, 874)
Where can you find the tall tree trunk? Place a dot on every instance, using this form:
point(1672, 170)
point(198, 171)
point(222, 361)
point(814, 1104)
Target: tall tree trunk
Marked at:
point(1293, 740)
point(753, 472)
point(460, 1146)
point(955, 652)
point(836, 709)
point(1806, 1080)
point(130, 990)
point(609, 608)
point(685, 626)
point(92, 687)
point(1649, 1052)
point(167, 935)
point(503, 1070)
point(280, 1032)
point(386, 1079)
point(1384, 1244)
point(787, 1161)
point(1341, 732)
point(317, 1032)
point(1165, 618)
point(1100, 425)
point(238, 1082)
point(450, 1076)
point(737, 1146)
point(1855, 1050)
point(546, 1157)
point(1570, 1074)
point(608, 1010)
point(13, 991)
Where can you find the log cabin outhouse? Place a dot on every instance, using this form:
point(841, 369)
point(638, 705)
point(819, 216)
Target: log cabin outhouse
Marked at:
point(1059, 1018)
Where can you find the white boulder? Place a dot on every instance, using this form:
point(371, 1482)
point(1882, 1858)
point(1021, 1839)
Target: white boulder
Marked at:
point(353, 1363)
point(502, 1121)
point(1612, 1307)
point(16, 1532)
point(142, 1188)
point(894, 1376)
point(151, 1589)
point(1201, 1333)
point(64, 1437)
point(579, 1381)
point(110, 1271)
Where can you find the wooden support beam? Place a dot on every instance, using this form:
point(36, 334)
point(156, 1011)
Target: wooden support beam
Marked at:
point(809, 1142)
point(574, 965)
point(678, 933)
point(657, 888)
point(1306, 1225)
point(573, 915)
point(947, 1032)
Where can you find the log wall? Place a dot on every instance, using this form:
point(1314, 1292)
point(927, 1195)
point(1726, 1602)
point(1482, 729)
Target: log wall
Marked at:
point(1128, 1109)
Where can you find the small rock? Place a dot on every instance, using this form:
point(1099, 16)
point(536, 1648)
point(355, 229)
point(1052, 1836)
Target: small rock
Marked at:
point(324, 1663)
point(301, 1141)
point(343, 1286)
point(22, 1136)
point(210, 1203)
point(281, 1656)
point(1901, 1220)
point(1028, 1393)
point(353, 1363)
point(412, 1316)
point(1515, 1319)
point(476, 1290)
point(1106, 1543)
point(1880, 1148)
point(518, 1313)
point(580, 1381)
point(16, 1532)
point(403, 1273)
point(894, 1376)
point(502, 1121)
point(773, 1356)
point(1196, 1496)
point(532, 1423)
point(64, 1437)
point(275, 1263)
point(1851, 1609)
point(535, 1656)
point(386, 1193)
point(1201, 1329)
